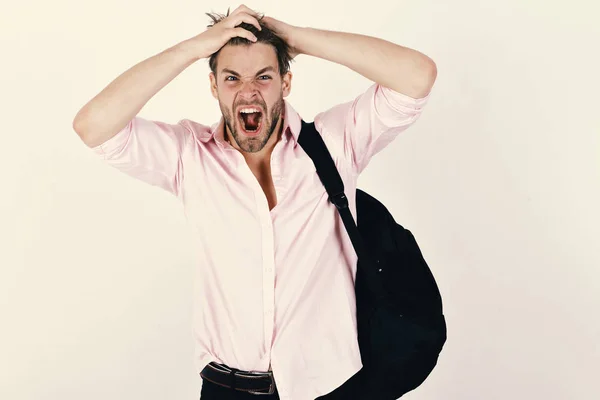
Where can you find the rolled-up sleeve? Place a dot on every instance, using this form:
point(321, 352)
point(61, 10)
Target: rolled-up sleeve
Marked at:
point(149, 151)
point(363, 127)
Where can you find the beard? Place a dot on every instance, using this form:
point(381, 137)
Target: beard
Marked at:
point(268, 125)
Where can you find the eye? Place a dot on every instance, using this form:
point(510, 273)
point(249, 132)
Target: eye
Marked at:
point(264, 76)
point(230, 76)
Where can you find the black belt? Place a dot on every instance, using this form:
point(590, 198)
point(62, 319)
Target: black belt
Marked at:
point(251, 382)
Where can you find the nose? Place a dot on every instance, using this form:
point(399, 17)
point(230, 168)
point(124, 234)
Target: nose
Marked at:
point(248, 90)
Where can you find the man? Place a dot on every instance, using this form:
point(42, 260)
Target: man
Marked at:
point(274, 291)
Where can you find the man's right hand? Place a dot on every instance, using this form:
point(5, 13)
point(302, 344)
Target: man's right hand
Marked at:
point(215, 37)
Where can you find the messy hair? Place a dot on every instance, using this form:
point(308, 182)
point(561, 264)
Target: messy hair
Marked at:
point(266, 35)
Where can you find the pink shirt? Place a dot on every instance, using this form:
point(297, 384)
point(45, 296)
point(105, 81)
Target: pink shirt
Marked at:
point(273, 289)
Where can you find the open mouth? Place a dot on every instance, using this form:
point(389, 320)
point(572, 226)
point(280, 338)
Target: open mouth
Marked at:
point(250, 119)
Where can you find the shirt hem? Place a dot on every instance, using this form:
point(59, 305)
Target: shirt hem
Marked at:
point(339, 379)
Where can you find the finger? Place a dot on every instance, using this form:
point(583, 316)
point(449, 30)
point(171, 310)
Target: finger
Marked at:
point(244, 33)
point(247, 19)
point(268, 21)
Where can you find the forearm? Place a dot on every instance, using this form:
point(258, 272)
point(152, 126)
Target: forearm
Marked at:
point(398, 68)
point(110, 110)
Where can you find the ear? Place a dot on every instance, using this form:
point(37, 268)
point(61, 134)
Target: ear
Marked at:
point(213, 84)
point(286, 83)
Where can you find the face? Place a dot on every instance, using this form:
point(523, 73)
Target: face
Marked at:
point(250, 92)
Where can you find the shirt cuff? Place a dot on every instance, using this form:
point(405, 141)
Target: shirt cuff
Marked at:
point(116, 142)
point(402, 102)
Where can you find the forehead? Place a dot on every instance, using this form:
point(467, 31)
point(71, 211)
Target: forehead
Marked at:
point(247, 59)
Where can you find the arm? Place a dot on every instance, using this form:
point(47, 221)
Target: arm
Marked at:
point(115, 106)
point(110, 110)
point(358, 129)
point(401, 69)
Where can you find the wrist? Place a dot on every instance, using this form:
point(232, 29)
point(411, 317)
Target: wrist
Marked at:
point(189, 49)
point(294, 40)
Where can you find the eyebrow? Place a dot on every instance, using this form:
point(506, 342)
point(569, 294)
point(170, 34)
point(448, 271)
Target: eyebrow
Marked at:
point(262, 71)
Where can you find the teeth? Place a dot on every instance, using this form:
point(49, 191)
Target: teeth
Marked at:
point(249, 110)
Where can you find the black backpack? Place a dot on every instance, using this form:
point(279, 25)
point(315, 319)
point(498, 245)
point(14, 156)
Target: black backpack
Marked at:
point(401, 325)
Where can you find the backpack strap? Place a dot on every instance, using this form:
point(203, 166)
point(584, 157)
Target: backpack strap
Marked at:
point(312, 143)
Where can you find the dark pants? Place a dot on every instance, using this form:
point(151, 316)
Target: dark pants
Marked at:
point(211, 391)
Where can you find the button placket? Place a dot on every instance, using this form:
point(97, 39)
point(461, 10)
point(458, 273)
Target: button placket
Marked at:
point(277, 170)
point(268, 278)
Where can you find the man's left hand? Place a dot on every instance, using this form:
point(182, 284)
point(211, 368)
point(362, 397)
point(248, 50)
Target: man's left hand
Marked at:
point(285, 31)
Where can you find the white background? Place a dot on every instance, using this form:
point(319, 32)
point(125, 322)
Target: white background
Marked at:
point(499, 181)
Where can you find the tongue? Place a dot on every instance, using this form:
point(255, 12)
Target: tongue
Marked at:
point(251, 121)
